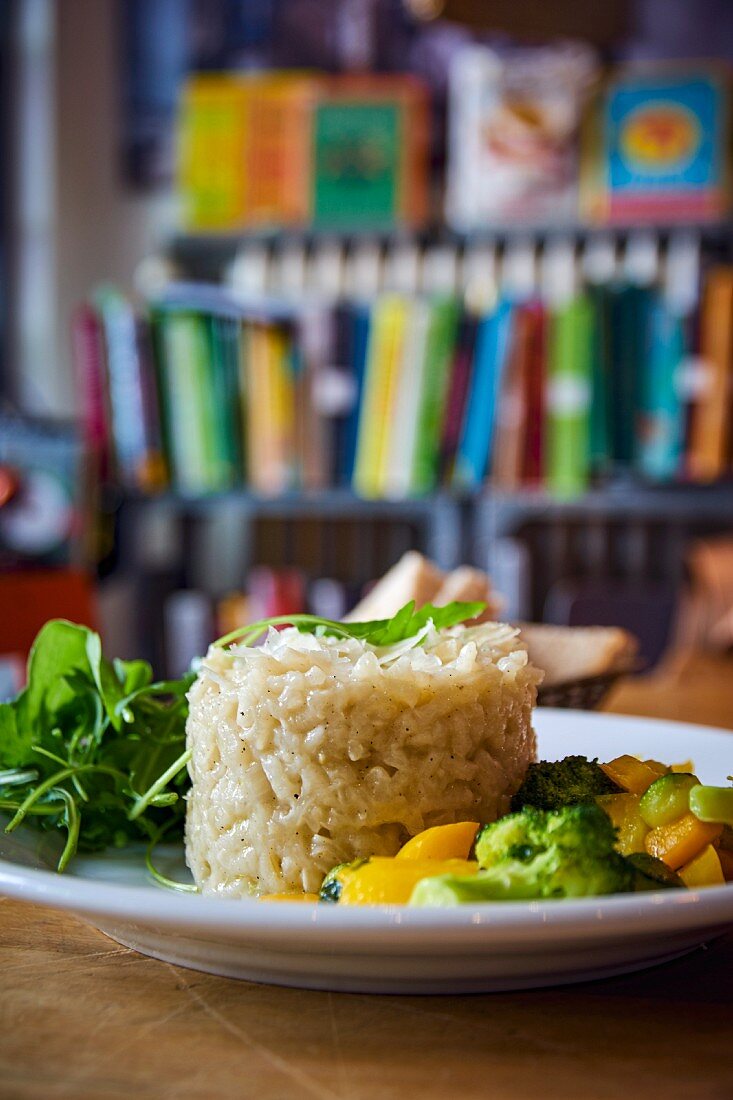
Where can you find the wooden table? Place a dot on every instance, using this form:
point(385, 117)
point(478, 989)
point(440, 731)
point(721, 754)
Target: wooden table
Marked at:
point(82, 1017)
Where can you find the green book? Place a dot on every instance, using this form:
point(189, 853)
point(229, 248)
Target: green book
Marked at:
point(189, 402)
point(600, 408)
point(357, 163)
point(569, 398)
point(440, 343)
point(224, 384)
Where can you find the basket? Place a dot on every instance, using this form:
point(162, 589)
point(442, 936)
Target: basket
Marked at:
point(585, 694)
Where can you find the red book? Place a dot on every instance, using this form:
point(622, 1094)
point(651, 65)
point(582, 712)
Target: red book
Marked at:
point(534, 380)
point(90, 369)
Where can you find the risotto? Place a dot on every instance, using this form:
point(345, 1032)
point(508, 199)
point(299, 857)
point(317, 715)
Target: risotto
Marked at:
point(310, 751)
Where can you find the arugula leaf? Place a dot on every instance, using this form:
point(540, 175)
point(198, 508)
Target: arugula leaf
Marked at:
point(132, 674)
point(105, 678)
point(407, 623)
point(93, 747)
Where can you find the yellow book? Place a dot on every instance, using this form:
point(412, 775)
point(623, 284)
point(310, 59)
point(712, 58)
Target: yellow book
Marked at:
point(212, 143)
point(384, 354)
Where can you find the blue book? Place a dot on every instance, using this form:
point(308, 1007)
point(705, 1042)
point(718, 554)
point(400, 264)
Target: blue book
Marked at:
point(659, 448)
point(357, 341)
point(492, 348)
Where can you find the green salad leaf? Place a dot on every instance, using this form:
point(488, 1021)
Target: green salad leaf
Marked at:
point(407, 623)
point(93, 747)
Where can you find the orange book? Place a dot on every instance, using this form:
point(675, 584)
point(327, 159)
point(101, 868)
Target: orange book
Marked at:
point(278, 149)
point(710, 429)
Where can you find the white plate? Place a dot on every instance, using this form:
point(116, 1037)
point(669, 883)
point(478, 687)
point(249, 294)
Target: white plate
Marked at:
point(394, 949)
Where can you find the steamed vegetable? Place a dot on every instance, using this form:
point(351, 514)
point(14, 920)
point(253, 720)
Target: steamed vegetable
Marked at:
point(681, 840)
point(712, 803)
point(386, 881)
point(667, 799)
point(704, 870)
point(538, 854)
point(633, 775)
point(552, 784)
point(651, 873)
point(441, 842)
point(623, 810)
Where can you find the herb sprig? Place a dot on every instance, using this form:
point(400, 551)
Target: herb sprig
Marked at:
point(407, 623)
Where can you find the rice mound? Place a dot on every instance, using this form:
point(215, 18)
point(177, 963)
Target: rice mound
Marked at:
point(310, 751)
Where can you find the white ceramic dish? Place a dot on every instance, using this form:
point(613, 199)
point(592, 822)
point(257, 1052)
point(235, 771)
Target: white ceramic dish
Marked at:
point(394, 949)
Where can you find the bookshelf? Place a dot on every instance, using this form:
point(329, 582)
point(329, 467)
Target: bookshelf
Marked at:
point(455, 528)
point(207, 255)
point(619, 534)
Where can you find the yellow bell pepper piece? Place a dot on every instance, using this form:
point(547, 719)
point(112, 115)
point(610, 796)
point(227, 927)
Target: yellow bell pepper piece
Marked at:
point(623, 809)
point(631, 774)
point(289, 896)
point(657, 767)
point(686, 767)
point(385, 881)
point(678, 843)
point(703, 870)
point(441, 842)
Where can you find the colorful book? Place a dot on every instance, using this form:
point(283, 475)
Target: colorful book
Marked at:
point(439, 347)
point(662, 151)
point(316, 396)
point(212, 149)
point(492, 348)
point(383, 355)
point(403, 425)
point(356, 345)
point(710, 429)
point(629, 307)
point(224, 381)
point(600, 451)
point(92, 386)
point(458, 391)
point(369, 152)
point(509, 443)
point(278, 148)
point(270, 410)
point(661, 421)
point(569, 398)
point(189, 404)
point(535, 395)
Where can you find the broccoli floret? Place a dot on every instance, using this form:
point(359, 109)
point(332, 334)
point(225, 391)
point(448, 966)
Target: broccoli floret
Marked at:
point(651, 873)
point(552, 784)
point(538, 854)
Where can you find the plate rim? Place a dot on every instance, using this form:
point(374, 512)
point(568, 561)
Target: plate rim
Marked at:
point(609, 915)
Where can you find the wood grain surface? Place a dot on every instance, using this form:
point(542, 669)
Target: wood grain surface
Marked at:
point(81, 1017)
